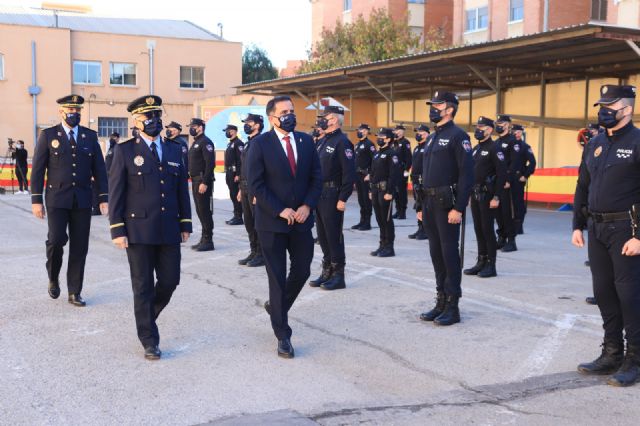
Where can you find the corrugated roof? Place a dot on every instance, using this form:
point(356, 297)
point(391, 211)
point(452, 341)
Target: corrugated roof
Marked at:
point(15, 15)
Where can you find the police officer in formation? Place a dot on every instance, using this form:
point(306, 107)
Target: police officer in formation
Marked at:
point(384, 178)
point(521, 166)
point(150, 215)
point(513, 156)
point(402, 147)
point(607, 200)
point(253, 126)
point(490, 173)
point(70, 156)
point(173, 133)
point(202, 161)
point(338, 174)
point(422, 133)
point(114, 138)
point(232, 165)
point(365, 150)
point(20, 155)
point(447, 176)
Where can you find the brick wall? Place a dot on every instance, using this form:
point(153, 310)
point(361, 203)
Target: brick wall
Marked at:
point(439, 14)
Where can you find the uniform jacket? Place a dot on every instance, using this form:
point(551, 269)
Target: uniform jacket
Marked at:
point(202, 159)
point(233, 157)
point(337, 162)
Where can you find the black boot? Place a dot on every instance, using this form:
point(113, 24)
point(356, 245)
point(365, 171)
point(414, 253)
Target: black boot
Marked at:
point(489, 269)
point(366, 224)
point(247, 259)
point(378, 250)
point(482, 260)
point(517, 224)
point(500, 242)
point(629, 372)
point(436, 311)
point(387, 251)
point(196, 245)
point(608, 362)
point(206, 245)
point(510, 246)
point(325, 275)
point(413, 236)
point(358, 225)
point(257, 260)
point(591, 300)
point(402, 214)
point(336, 281)
point(451, 314)
point(421, 235)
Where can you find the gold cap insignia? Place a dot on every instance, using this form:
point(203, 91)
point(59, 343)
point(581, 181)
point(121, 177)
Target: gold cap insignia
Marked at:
point(150, 100)
point(138, 160)
point(55, 143)
point(605, 89)
point(74, 98)
point(436, 95)
point(598, 151)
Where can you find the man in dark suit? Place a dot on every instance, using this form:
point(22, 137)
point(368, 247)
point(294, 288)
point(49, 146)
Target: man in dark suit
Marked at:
point(150, 215)
point(69, 155)
point(285, 178)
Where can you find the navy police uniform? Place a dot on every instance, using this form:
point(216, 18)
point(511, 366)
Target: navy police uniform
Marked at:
point(184, 145)
point(232, 166)
point(416, 179)
point(69, 157)
point(522, 165)
point(202, 161)
point(403, 149)
point(513, 153)
point(364, 150)
point(150, 206)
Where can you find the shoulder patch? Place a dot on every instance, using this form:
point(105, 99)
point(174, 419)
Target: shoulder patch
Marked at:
point(516, 147)
point(240, 147)
point(530, 151)
point(466, 144)
point(372, 148)
point(209, 147)
point(395, 159)
point(500, 155)
point(348, 153)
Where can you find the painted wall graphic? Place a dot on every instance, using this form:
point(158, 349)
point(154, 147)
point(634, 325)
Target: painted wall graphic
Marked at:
point(217, 118)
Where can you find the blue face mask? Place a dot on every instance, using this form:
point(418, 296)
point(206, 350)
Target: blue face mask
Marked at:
point(72, 119)
point(607, 117)
point(479, 134)
point(434, 115)
point(288, 122)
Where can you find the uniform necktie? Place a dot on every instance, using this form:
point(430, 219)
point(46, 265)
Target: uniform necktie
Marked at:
point(72, 140)
point(154, 151)
point(290, 155)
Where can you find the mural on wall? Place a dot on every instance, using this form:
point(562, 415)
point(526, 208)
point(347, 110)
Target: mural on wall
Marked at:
point(217, 118)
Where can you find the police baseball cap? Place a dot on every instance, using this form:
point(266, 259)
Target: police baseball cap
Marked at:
point(485, 121)
point(503, 118)
point(256, 118)
point(517, 127)
point(331, 109)
point(364, 126)
point(441, 97)
point(400, 127)
point(610, 93)
point(386, 132)
point(114, 135)
point(196, 122)
point(145, 104)
point(422, 128)
point(174, 125)
point(230, 127)
point(71, 101)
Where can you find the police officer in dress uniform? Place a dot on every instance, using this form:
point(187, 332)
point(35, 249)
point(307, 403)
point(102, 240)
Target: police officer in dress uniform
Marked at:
point(490, 174)
point(202, 161)
point(232, 166)
point(365, 150)
point(69, 155)
point(523, 165)
point(422, 132)
point(386, 172)
point(150, 215)
point(114, 138)
point(402, 147)
point(338, 174)
point(504, 216)
point(447, 176)
point(173, 133)
point(253, 126)
point(607, 199)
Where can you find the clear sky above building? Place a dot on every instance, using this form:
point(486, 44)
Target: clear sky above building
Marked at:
point(282, 27)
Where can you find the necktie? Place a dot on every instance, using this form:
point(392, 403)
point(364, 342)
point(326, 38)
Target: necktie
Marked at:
point(72, 140)
point(154, 151)
point(290, 155)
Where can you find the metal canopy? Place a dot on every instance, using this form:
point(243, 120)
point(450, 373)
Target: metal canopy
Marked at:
point(573, 53)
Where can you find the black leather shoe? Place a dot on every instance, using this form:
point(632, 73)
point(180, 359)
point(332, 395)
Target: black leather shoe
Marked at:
point(482, 260)
point(356, 226)
point(365, 227)
point(152, 353)
point(412, 236)
point(77, 300)
point(258, 260)
point(587, 263)
point(500, 242)
point(336, 282)
point(236, 221)
point(608, 362)
point(394, 216)
point(437, 310)
point(591, 300)
point(402, 215)
point(247, 259)
point(376, 251)
point(285, 349)
point(387, 251)
point(421, 236)
point(489, 269)
point(510, 245)
point(196, 245)
point(267, 307)
point(206, 246)
point(629, 371)
point(325, 275)
point(451, 314)
point(54, 289)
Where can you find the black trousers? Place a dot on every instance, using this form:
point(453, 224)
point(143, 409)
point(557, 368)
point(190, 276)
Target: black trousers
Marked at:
point(443, 246)
point(417, 198)
point(95, 199)
point(203, 207)
point(248, 210)
point(504, 216)
point(519, 207)
point(383, 210)
point(78, 222)
point(234, 188)
point(401, 196)
point(483, 226)
point(150, 297)
point(21, 175)
point(362, 187)
point(616, 280)
point(329, 227)
point(284, 288)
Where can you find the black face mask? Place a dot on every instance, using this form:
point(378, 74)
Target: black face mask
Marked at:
point(227, 134)
point(112, 141)
point(287, 122)
point(323, 123)
point(434, 115)
point(418, 137)
point(315, 133)
point(247, 129)
point(152, 126)
point(499, 129)
point(72, 119)
point(359, 134)
point(479, 134)
point(193, 132)
point(381, 142)
point(607, 117)
point(168, 134)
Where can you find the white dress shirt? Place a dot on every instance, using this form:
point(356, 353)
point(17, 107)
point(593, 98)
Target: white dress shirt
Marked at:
point(292, 140)
point(68, 129)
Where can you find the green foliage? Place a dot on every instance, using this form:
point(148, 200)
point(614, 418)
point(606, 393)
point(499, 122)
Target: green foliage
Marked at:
point(256, 66)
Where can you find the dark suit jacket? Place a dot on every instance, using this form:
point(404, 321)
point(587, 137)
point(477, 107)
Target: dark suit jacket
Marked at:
point(274, 186)
point(68, 174)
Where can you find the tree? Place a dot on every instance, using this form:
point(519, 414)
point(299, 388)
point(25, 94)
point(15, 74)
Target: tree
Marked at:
point(378, 38)
point(256, 66)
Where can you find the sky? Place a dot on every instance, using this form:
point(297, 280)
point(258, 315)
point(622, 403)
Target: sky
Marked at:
point(281, 27)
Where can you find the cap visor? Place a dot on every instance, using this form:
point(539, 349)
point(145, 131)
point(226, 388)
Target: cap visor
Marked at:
point(434, 102)
point(603, 101)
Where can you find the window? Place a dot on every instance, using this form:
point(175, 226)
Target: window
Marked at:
point(516, 10)
point(122, 74)
point(599, 10)
point(108, 125)
point(1, 66)
point(477, 19)
point(347, 5)
point(87, 72)
point(192, 77)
